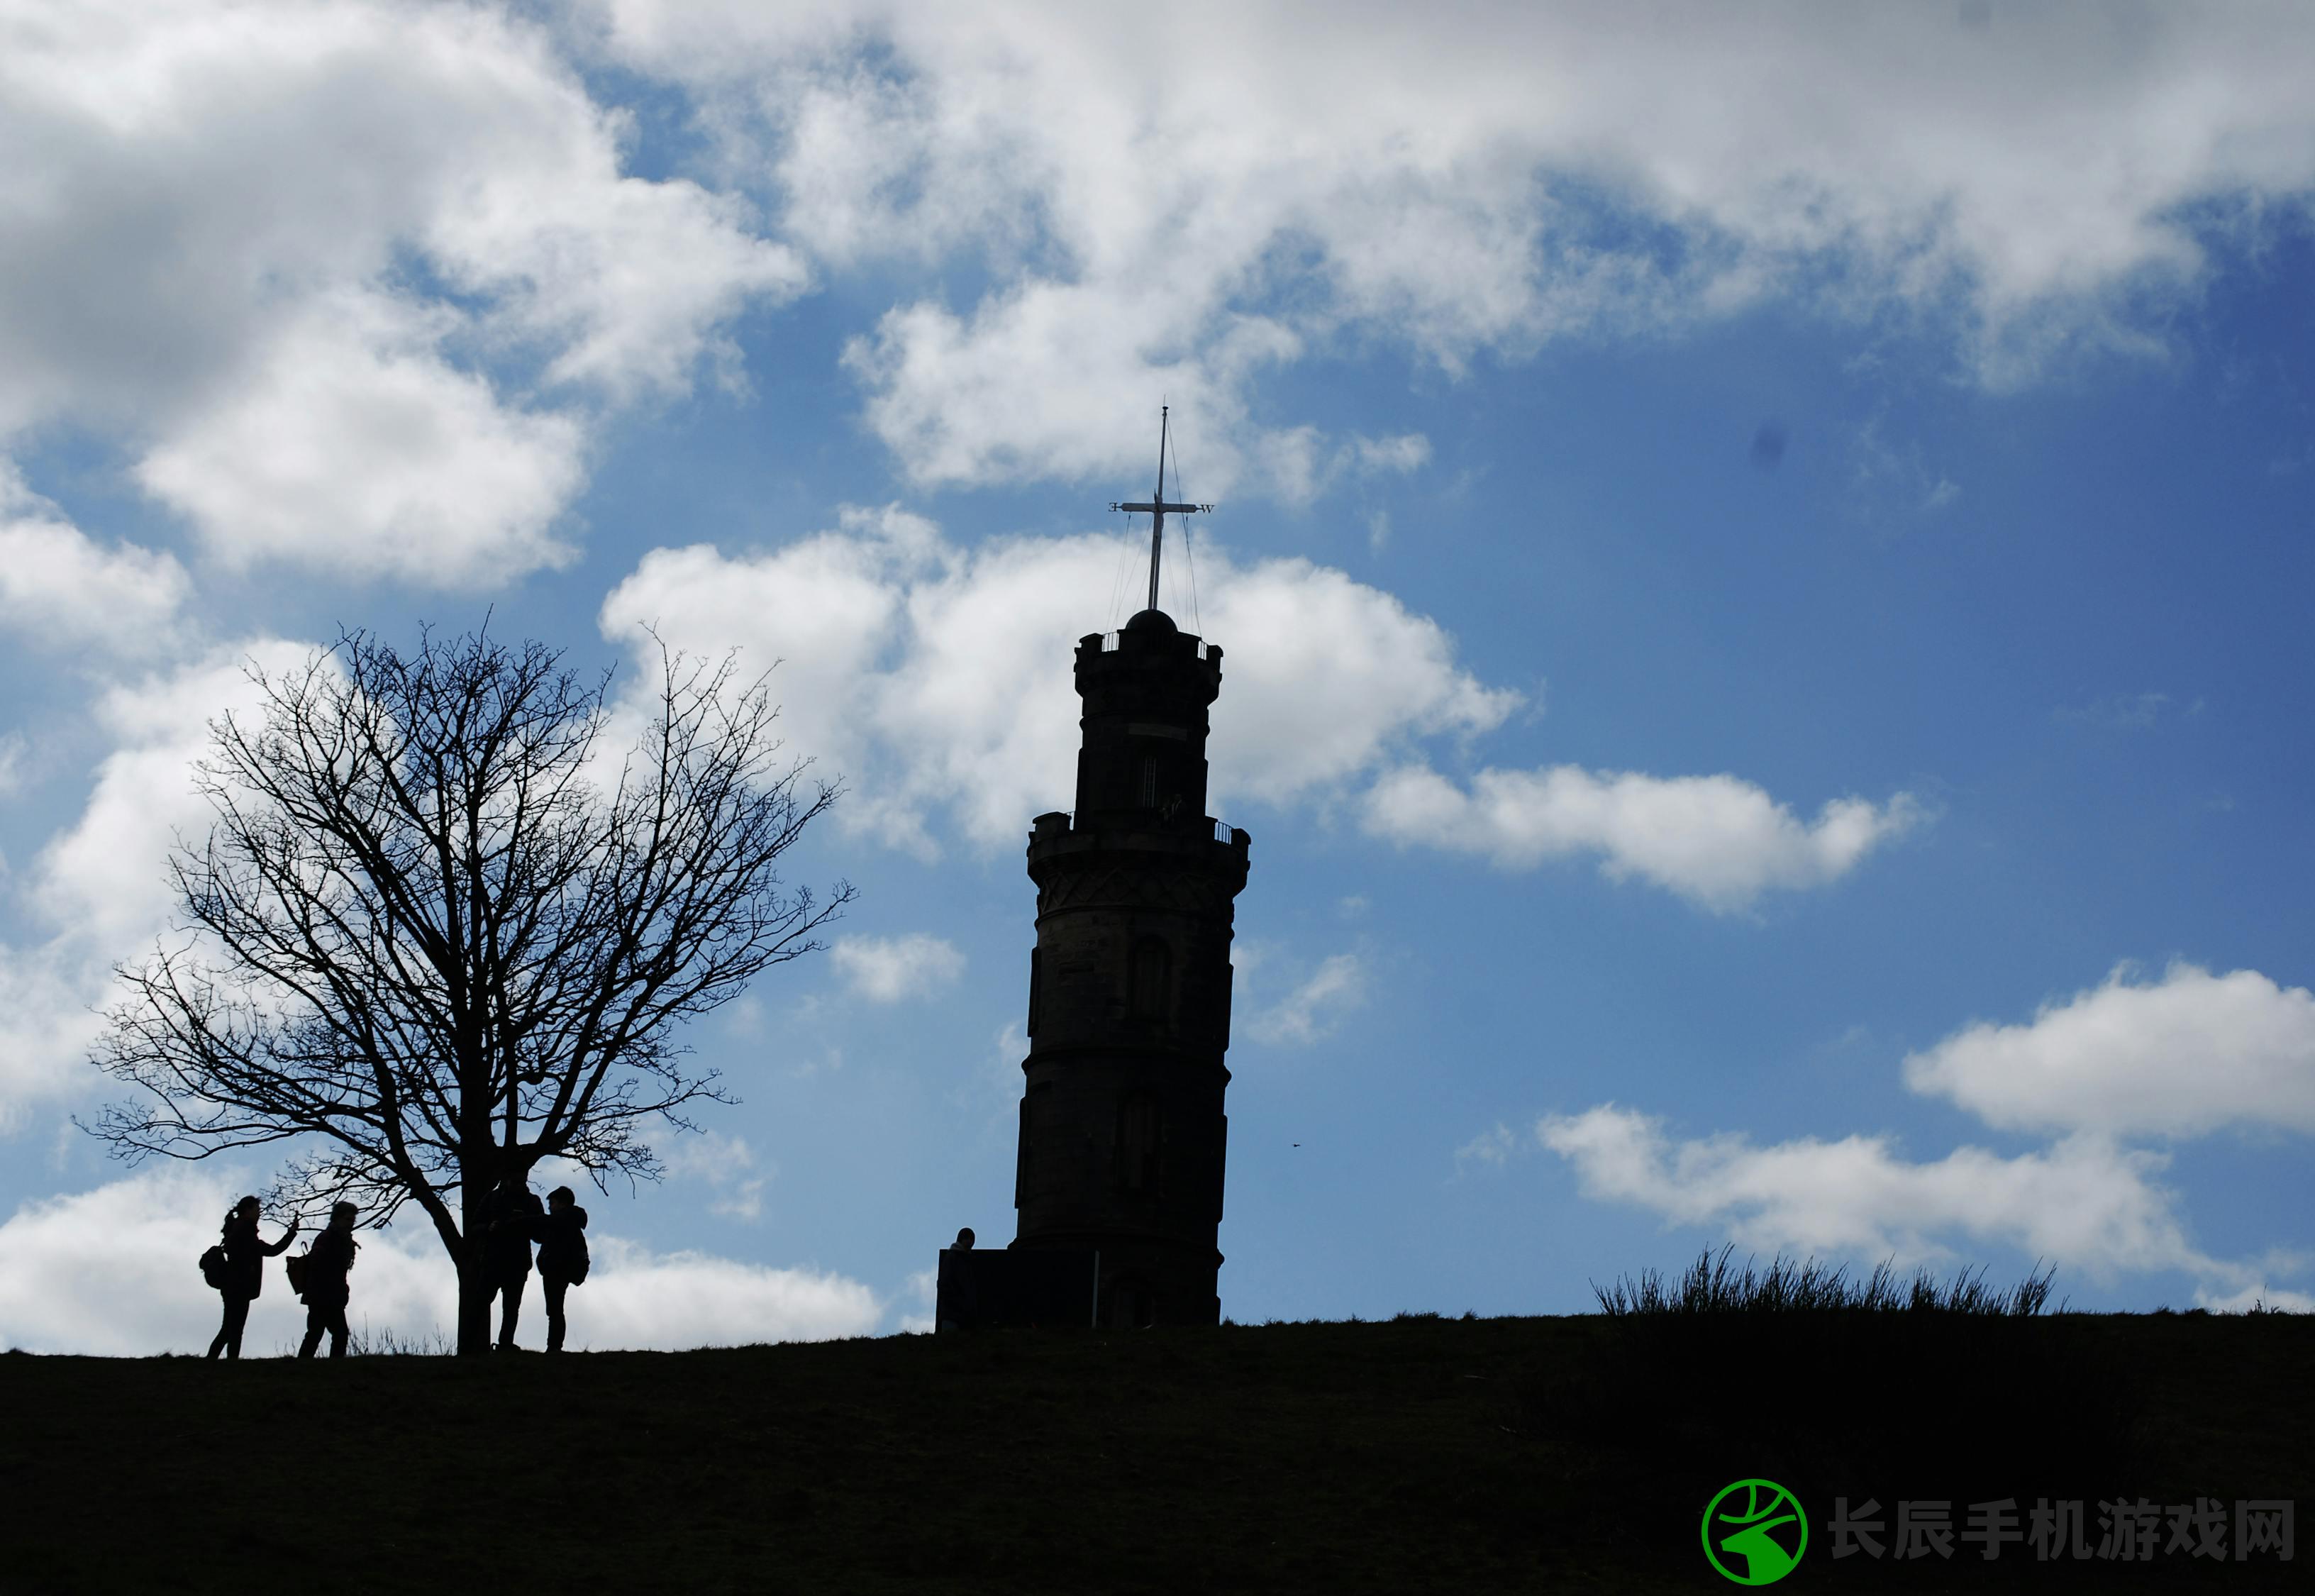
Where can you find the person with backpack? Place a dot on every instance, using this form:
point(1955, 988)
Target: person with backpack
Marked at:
point(562, 1256)
point(327, 1262)
point(515, 1218)
point(236, 1266)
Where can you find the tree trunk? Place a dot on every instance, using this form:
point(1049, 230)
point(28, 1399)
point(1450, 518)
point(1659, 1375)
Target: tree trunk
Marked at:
point(474, 1267)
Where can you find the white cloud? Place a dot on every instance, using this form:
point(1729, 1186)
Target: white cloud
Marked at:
point(1312, 1010)
point(62, 589)
point(353, 445)
point(1492, 1146)
point(351, 281)
point(889, 968)
point(1713, 839)
point(100, 885)
point(2082, 1204)
point(937, 678)
point(2258, 1294)
point(924, 1290)
point(2184, 1056)
point(707, 1154)
point(113, 1272)
point(104, 879)
point(1324, 674)
point(934, 677)
point(46, 1023)
point(726, 1164)
point(1406, 453)
point(1298, 179)
point(2177, 1057)
point(680, 1299)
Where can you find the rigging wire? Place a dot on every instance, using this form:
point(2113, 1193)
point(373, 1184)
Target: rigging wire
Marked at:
point(1189, 557)
point(1124, 567)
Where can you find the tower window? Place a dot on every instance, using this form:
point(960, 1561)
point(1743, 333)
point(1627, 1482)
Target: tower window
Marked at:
point(1152, 979)
point(1140, 1168)
point(1036, 988)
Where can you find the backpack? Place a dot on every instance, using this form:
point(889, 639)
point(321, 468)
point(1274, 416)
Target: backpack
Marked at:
point(577, 1270)
point(294, 1267)
point(213, 1268)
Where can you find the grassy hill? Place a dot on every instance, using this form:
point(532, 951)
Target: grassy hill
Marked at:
point(1415, 1455)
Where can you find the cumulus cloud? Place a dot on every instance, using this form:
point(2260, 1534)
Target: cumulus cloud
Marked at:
point(1311, 1011)
point(1713, 839)
point(350, 280)
point(1500, 176)
point(1492, 1148)
point(279, 253)
point(65, 590)
point(1407, 452)
point(2082, 1204)
point(673, 1300)
point(104, 879)
point(2257, 1296)
point(2185, 1055)
point(726, 1163)
point(939, 678)
point(112, 1272)
point(2180, 1056)
point(99, 888)
point(46, 1023)
point(353, 445)
point(890, 969)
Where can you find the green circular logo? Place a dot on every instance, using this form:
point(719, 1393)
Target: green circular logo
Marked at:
point(1762, 1531)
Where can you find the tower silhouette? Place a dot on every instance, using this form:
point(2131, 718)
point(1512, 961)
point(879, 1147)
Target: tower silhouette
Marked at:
point(1123, 1133)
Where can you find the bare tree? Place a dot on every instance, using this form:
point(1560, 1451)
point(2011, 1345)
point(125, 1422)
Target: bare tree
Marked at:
point(435, 935)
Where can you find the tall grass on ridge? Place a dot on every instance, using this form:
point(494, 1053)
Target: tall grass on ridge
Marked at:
point(1714, 1285)
point(1839, 1384)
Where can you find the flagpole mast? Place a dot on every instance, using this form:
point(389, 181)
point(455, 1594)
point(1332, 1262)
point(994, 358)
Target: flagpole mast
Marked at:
point(1157, 509)
point(1157, 517)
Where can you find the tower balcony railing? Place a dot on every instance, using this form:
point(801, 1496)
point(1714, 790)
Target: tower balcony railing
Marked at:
point(1109, 645)
point(1222, 830)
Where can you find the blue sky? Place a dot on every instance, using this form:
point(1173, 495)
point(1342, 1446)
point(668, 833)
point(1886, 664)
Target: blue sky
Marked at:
point(1762, 558)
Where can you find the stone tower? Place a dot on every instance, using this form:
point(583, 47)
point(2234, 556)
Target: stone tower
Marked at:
point(1123, 1133)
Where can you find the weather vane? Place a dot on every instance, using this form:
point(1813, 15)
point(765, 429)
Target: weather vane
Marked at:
point(1157, 509)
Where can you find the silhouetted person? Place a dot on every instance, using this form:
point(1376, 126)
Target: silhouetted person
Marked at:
point(244, 1271)
point(954, 1291)
point(562, 1256)
point(515, 1218)
point(328, 1262)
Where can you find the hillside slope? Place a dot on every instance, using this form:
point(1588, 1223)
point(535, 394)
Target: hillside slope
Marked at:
point(1415, 1455)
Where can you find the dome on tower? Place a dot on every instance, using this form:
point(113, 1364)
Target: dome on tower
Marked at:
point(1153, 620)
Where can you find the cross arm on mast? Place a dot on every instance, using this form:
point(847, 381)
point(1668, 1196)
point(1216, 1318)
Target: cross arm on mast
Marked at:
point(1157, 510)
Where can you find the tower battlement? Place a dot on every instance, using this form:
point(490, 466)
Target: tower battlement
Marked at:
point(1146, 690)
